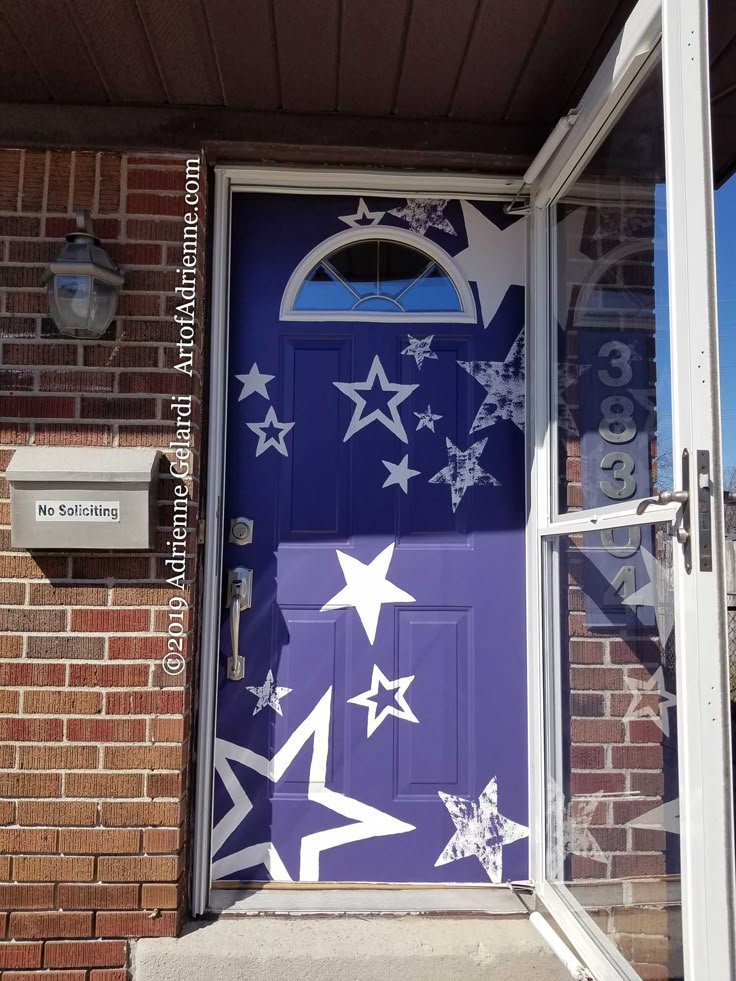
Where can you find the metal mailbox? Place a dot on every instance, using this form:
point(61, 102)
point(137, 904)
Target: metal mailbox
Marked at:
point(82, 497)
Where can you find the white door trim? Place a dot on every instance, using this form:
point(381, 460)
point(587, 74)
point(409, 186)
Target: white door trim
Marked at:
point(285, 180)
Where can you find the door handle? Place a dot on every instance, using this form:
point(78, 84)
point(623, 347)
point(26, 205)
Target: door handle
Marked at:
point(240, 591)
point(681, 497)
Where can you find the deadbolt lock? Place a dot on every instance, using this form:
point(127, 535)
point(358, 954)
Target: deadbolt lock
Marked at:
point(241, 531)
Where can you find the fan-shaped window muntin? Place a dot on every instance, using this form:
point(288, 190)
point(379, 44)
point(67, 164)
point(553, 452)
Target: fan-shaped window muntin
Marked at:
point(377, 276)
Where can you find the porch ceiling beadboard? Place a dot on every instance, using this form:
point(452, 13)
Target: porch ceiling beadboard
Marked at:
point(511, 69)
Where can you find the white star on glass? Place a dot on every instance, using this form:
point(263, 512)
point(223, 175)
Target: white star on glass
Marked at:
point(254, 381)
point(393, 421)
point(423, 213)
point(427, 419)
point(420, 348)
point(463, 470)
point(504, 385)
point(367, 699)
point(399, 473)
point(573, 265)
point(641, 691)
point(570, 829)
point(495, 258)
point(265, 442)
point(367, 821)
point(664, 817)
point(269, 695)
point(367, 589)
point(649, 596)
point(363, 218)
point(480, 830)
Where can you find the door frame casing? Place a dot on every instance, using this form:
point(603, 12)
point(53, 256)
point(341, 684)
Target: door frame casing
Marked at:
point(228, 180)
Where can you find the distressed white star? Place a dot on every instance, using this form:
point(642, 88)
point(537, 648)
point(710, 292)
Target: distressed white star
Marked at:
point(254, 381)
point(423, 213)
point(363, 218)
point(655, 685)
point(367, 699)
point(392, 422)
point(427, 419)
point(495, 258)
point(420, 348)
point(504, 385)
point(570, 829)
point(264, 441)
point(463, 470)
point(366, 821)
point(480, 830)
point(399, 473)
point(367, 589)
point(269, 695)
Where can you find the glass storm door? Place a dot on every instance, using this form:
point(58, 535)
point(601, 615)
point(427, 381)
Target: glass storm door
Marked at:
point(371, 719)
point(635, 861)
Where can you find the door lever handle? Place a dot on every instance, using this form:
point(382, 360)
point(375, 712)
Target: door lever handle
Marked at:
point(664, 497)
point(240, 590)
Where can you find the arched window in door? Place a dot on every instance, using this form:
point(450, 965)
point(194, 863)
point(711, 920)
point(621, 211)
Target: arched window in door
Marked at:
point(386, 275)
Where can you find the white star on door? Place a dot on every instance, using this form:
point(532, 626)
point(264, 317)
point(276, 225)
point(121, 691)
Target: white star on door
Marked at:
point(269, 695)
point(392, 422)
point(399, 473)
point(463, 470)
point(265, 442)
point(420, 348)
point(494, 259)
point(367, 589)
point(655, 685)
point(367, 699)
point(366, 821)
point(254, 381)
point(423, 213)
point(504, 385)
point(480, 830)
point(363, 218)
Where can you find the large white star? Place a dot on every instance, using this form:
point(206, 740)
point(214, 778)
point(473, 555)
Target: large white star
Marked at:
point(254, 381)
point(495, 258)
point(363, 218)
point(399, 473)
point(504, 385)
point(367, 821)
point(367, 699)
point(367, 589)
point(277, 442)
point(393, 421)
point(269, 695)
point(420, 348)
point(639, 707)
point(423, 213)
point(427, 419)
point(463, 470)
point(480, 830)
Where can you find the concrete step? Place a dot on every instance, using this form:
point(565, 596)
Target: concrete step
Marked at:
point(350, 948)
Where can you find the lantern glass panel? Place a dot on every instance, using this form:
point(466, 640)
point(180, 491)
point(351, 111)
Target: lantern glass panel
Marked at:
point(69, 301)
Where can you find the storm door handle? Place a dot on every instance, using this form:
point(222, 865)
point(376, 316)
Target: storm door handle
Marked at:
point(240, 591)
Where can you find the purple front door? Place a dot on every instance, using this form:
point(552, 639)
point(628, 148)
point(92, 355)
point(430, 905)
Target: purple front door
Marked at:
point(375, 439)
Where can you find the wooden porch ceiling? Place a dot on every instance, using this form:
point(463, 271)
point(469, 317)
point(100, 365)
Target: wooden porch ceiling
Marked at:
point(463, 83)
point(480, 79)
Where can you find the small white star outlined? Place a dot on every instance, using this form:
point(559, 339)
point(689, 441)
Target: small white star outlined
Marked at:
point(265, 442)
point(427, 419)
point(254, 381)
point(363, 218)
point(367, 699)
point(420, 348)
point(268, 694)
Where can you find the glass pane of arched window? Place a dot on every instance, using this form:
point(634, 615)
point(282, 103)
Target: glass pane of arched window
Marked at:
point(378, 276)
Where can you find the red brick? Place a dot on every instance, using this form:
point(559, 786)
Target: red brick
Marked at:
point(103, 785)
point(645, 731)
point(94, 897)
point(136, 925)
point(83, 193)
point(10, 161)
point(27, 841)
point(38, 406)
point(17, 897)
point(63, 702)
point(596, 731)
point(76, 381)
point(102, 675)
point(122, 356)
point(36, 730)
point(97, 953)
point(20, 955)
point(119, 567)
point(40, 354)
point(143, 702)
point(131, 648)
point(141, 813)
point(43, 925)
point(637, 757)
point(57, 757)
point(587, 757)
point(34, 175)
point(156, 204)
point(584, 782)
point(98, 841)
point(15, 784)
point(121, 975)
point(166, 784)
point(53, 868)
point(65, 648)
point(106, 730)
point(636, 866)
point(56, 812)
point(162, 383)
point(46, 976)
point(110, 621)
point(57, 198)
point(139, 868)
point(160, 895)
point(114, 408)
point(596, 679)
point(161, 841)
point(145, 757)
point(20, 674)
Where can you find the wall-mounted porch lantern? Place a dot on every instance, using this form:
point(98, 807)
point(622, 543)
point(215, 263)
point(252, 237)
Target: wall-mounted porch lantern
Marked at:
point(83, 284)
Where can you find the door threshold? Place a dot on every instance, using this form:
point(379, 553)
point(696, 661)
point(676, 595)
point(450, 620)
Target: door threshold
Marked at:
point(461, 900)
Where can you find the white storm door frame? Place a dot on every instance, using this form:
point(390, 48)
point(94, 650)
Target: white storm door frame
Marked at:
point(707, 846)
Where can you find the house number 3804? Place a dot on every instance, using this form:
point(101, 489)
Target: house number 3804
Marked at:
point(617, 427)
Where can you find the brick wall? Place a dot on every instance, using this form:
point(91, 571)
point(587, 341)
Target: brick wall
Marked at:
point(94, 734)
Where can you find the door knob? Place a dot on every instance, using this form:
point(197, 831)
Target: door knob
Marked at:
point(240, 590)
